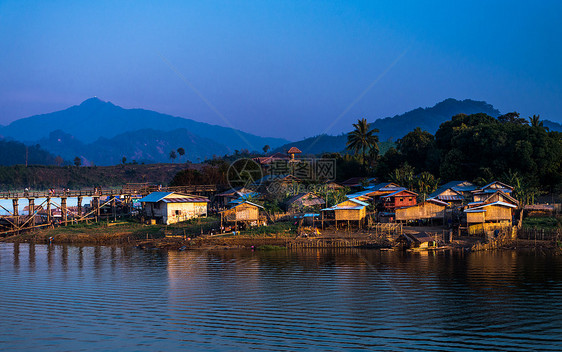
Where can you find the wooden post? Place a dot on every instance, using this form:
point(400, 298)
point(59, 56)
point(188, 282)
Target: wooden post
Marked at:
point(79, 206)
point(63, 209)
point(31, 211)
point(113, 208)
point(48, 210)
point(96, 205)
point(15, 203)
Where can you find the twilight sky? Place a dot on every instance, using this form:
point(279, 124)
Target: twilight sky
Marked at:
point(290, 69)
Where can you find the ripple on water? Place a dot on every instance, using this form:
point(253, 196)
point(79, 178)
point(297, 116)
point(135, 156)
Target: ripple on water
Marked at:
point(73, 298)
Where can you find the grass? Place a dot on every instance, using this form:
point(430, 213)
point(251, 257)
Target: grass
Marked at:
point(546, 223)
point(283, 229)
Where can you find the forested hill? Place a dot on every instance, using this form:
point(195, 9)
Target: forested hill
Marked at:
point(393, 128)
point(14, 153)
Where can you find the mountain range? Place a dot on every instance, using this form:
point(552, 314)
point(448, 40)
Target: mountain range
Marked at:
point(393, 128)
point(102, 133)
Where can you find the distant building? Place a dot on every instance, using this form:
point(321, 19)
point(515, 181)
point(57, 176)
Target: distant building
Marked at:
point(232, 194)
point(304, 201)
point(169, 207)
point(293, 151)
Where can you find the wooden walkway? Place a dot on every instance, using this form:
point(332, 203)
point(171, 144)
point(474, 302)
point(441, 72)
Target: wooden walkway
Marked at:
point(114, 201)
point(124, 191)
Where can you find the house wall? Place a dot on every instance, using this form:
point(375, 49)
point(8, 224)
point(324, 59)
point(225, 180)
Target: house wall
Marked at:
point(176, 212)
point(472, 218)
point(498, 213)
point(243, 212)
point(421, 211)
point(400, 201)
point(155, 210)
point(247, 212)
point(350, 214)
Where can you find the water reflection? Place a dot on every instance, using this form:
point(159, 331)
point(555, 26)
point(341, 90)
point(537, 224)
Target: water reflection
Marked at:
point(71, 297)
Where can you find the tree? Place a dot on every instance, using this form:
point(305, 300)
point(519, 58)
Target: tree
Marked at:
point(535, 121)
point(266, 148)
point(181, 152)
point(362, 140)
point(418, 147)
point(426, 183)
point(404, 176)
point(173, 155)
point(512, 117)
point(77, 161)
point(59, 160)
point(124, 160)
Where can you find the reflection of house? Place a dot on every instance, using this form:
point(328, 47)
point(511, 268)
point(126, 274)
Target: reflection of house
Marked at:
point(349, 210)
point(304, 201)
point(245, 212)
point(431, 209)
point(170, 207)
point(454, 192)
point(398, 199)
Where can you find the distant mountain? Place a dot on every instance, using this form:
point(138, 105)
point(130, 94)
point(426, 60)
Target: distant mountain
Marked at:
point(146, 145)
point(393, 128)
point(552, 126)
point(95, 119)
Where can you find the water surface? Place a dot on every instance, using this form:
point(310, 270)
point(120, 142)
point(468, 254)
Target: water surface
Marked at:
point(111, 298)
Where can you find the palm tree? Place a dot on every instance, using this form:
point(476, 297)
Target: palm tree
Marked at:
point(181, 152)
point(362, 139)
point(427, 183)
point(535, 121)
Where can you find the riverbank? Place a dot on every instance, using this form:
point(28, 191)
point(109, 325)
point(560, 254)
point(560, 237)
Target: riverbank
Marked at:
point(190, 236)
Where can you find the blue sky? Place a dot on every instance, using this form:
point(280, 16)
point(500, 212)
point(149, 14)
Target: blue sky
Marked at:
point(280, 68)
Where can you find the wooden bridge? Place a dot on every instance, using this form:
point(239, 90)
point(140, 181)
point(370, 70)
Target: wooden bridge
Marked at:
point(105, 203)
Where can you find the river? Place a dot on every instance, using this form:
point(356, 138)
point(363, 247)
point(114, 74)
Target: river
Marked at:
point(70, 298)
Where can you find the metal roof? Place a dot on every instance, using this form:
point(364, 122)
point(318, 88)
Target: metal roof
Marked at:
point(480, 207)
point(246, 202)
point(154, 197)
point(384, 185)
point(402, 189)
point(357, 201)
point(499, 183)
point(450, 198)
point(186, 200)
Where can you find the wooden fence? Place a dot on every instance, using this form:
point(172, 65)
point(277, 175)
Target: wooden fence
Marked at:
point(539, 234)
